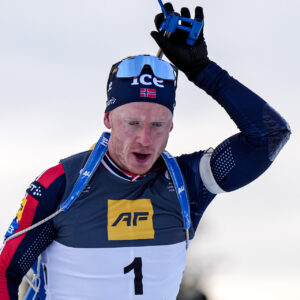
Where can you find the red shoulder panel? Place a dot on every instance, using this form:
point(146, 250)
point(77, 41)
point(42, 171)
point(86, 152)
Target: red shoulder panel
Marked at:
point(50, 175)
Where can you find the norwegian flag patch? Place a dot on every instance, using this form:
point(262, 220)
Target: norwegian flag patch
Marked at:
point(148, 93)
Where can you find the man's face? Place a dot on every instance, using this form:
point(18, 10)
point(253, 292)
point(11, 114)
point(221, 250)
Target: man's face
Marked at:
point(139, 134)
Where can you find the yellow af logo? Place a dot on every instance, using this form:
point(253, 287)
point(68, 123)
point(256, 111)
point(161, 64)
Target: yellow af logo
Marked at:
point(130, 219)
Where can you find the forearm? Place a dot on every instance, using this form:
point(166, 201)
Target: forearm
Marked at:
point(243, 157)
point(19, 254)
point(257, 121)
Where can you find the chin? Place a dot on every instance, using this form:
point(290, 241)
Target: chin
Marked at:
point(140, 170)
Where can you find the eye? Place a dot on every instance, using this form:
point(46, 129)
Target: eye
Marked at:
point(134, 123)
point(157, 124)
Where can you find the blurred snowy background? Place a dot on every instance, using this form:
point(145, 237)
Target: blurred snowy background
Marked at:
point(54, 60)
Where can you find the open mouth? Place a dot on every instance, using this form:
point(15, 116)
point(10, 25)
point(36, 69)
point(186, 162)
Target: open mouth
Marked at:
point(141, 156)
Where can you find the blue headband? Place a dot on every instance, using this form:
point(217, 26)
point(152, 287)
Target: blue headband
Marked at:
point(145, 87)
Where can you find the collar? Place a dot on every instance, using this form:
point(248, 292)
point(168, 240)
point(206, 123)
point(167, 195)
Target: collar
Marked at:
point(114, 169)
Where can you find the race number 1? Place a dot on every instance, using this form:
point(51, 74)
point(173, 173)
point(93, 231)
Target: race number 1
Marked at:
point(136, 266)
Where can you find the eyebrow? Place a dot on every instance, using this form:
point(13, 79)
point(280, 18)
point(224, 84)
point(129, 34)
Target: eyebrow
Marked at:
point(137, 119)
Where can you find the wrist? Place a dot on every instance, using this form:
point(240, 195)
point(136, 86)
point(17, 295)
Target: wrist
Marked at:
point(192, 73)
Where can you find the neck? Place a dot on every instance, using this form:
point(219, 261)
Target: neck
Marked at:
point(111, 166)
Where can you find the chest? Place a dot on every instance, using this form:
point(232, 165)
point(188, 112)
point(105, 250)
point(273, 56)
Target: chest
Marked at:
point(112, 212)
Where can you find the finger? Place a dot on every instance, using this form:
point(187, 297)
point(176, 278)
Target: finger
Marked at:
point(169, 7)
point(199, 13)
point(158, 20)
point(162, 42)
point(185, 12)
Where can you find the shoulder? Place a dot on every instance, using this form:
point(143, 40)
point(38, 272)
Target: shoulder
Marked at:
point(50, 175)
point(199, 196)
point(75, 161)
point(78, 157)
point(190, 161)
point(189, 166)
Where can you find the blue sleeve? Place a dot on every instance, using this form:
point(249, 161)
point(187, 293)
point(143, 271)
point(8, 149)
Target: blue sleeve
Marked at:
point(263, 132)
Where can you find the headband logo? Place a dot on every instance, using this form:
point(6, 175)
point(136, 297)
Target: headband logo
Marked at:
point(111, 101)
point(148, 79)
point(110, 86)
point(148, 93)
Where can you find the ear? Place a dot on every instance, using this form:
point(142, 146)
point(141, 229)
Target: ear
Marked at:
point(107, 120)
point(171, 128)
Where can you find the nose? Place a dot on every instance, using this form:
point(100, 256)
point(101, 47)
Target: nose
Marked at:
point(144, 136)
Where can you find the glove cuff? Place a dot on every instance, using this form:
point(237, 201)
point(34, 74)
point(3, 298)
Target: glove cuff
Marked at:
point(193, 73)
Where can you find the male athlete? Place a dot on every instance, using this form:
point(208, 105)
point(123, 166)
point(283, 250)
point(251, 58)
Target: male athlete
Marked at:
point(124, 237)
